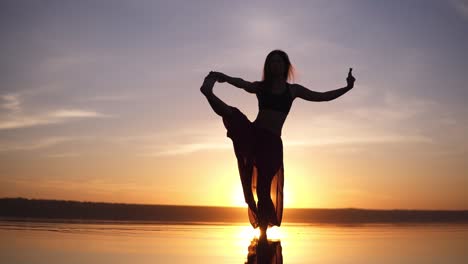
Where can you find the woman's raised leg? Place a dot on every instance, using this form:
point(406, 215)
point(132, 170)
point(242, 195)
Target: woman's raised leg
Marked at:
point(220, 107)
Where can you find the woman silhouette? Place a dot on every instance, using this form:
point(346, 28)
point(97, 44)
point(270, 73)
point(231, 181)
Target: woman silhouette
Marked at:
point(258, 145)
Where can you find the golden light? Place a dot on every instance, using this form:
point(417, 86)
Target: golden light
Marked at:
point(276, 233)
point(273, 233)
point(247, 233)
point(302, 186)
point(238, 195)
point(292, 190)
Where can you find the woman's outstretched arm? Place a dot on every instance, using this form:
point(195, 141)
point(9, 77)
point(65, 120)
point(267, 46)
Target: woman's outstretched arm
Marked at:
point(306, 94)
point(250, 87)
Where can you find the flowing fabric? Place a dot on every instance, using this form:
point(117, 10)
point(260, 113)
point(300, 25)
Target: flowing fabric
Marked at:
point(259, 154)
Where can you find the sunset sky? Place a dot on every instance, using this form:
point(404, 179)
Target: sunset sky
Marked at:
point(100, 100)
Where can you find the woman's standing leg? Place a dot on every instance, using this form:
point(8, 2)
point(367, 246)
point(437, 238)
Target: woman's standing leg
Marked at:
point(264, 205)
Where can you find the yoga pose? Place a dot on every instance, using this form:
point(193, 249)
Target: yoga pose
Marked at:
point(258, 145)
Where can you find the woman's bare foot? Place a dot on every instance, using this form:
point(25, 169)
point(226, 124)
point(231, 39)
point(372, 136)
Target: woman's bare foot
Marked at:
point(221, 108)
point(207, 86)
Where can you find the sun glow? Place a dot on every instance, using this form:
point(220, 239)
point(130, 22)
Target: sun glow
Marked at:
point(238, 199)
point(273, 233)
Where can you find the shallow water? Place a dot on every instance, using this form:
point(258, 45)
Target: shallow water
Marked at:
point(34, 242)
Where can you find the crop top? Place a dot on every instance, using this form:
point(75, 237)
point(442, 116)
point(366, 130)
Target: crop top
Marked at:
point(279, 102)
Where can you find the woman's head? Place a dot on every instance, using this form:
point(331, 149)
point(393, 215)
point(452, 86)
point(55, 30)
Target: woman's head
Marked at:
point(277, 65)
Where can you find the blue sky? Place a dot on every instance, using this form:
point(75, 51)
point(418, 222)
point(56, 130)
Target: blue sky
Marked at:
point(99, 100)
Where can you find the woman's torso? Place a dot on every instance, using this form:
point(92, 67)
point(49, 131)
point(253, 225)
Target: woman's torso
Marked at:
point(273, 119)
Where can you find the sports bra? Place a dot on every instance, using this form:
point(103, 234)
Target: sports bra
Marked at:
point(279, 102)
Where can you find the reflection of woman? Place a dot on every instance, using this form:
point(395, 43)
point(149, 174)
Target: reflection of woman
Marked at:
point(258, 145)
point(264, 252)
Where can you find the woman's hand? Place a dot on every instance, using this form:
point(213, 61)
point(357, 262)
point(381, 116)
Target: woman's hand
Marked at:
point(350, 80)
point(219, 76)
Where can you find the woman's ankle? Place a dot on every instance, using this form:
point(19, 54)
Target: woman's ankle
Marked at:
point(209, 95)
point(206, 92)
point(263, 232)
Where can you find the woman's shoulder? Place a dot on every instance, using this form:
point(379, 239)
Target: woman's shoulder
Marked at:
point(258, 86)
point(293, 89)
point(258, 83)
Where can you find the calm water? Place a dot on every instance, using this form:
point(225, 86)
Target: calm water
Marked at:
point(25, 242)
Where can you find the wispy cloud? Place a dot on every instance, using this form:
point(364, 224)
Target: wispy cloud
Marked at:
point(11, 102)
point(182, 149)
point(164, 149)
point(206, 136)
point(63, 155)
point(54, 117)
point(15, 116)
point(189, 148)
point(110, 98)
point(74, 113)
point(377, 139)
point(37, 144)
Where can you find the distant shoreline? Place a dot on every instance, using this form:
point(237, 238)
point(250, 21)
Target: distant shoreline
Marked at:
point(75, 211)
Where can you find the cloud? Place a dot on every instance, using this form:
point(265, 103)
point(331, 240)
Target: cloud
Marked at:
point(182, 149)
point(63, 155)
point(393, 110)
point(205, 136)
point(74, 113)
point(377, 139)
point(39, 144)
point(211, 145)
point(58, 116)
point(184, 141)
point(16, 118)
point(111, 98)
point(11, 102)
point(188, 148)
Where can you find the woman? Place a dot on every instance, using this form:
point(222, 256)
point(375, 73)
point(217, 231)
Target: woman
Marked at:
point(258, 145)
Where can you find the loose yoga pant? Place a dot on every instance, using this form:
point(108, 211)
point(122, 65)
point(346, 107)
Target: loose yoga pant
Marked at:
point(259, 154)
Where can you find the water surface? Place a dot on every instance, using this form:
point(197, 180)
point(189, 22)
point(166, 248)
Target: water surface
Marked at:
point(42, 242)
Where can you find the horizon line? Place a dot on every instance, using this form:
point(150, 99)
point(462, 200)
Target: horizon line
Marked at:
point(235, 207)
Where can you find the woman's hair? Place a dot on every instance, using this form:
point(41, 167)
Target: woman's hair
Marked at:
point(288, 74)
